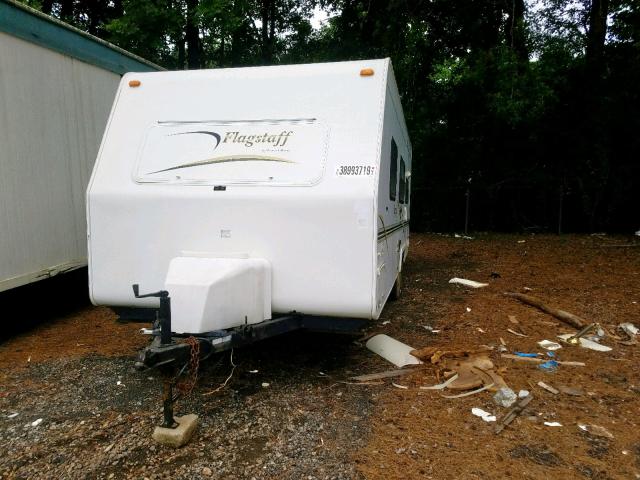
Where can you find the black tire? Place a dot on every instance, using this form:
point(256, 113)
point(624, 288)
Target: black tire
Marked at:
point(396, 291)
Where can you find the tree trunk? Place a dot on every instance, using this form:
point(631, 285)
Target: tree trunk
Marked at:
point(192, 36)
point(597, 32)
point(516, 29)
point(265, 11)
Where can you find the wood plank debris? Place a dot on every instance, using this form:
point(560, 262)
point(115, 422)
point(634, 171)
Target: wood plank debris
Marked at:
point(513, 413)
point(548, 388)
point(566, 317)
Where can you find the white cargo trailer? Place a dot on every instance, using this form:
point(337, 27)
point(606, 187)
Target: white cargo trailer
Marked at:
point(57, 86)
point(250, 193)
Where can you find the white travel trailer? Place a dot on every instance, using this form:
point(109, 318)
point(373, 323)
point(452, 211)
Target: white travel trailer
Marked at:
point(247, 194)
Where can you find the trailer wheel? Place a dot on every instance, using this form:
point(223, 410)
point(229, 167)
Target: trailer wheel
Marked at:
point(396, 291)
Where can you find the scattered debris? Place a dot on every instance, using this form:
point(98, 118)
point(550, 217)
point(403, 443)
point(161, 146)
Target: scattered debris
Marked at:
point(392, 350)
point(13, 415)
point(566, 317)
point(386, 322)
point(37, 422)
point(553, 424)
point(442, 385)
point(403, 387)
point(513, 413)
point(628, 328)
point(522, 241)
point(481, 330)
point(472, 392)
point(586, 343)
point(253, 371)
point(549, 345)
point(516, 333)
point(486, 416)
point(541, 360)
point(465, 237)
point(523, 393)
point(505, 397)
point(265, 384)
point(549, 366)
point(548, 388)
point(468, 283)
point(575, 392)
point(596, 430)
point(514, 320)
point(468, 310)
point(430, 329)
point(524, 354)
point(388, 374)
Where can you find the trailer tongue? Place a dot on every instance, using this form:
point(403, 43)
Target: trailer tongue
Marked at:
point(177, 354)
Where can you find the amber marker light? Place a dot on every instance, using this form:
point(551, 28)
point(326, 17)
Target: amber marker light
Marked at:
point(366, 72)
point(134, 83)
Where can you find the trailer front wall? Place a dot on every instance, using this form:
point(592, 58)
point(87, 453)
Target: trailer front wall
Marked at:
point(53, 111)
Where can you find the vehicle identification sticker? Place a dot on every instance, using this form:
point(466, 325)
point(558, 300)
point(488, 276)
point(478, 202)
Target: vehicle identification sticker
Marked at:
point(355, 170)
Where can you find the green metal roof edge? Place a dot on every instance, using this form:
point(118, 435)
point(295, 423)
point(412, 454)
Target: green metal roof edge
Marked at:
point(33, 26)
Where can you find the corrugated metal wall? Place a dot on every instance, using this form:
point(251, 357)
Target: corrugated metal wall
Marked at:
point(53, 111)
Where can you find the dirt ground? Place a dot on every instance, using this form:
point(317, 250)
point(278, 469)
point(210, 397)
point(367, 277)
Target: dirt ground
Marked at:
point(290, 410)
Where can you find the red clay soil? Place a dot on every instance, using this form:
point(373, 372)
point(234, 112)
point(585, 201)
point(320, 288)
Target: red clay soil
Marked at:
point(419, 434)
point(88, 331)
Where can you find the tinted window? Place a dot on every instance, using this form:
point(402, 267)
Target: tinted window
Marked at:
point(403, 183)
point(393, 175)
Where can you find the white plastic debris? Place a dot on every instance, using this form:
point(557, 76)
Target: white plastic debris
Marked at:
point(265, 384)
point(468, 283)
point(430, 329)
point(523, 393)
point(553, 424)
point(386, 322)
point(397, 385)
point(37, 422)
point(505, 397)
point(468, 310)
point(466, 237)
point(629, 328)
point(486, 416)
point(596, 430)
point(522, 241)
point(549, 345)
point(392, 350)
point(586, 343)
point(13, 415)
point(253, 371)
point(120, 384)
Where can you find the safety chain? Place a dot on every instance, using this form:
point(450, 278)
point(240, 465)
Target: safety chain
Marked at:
point(186, 386)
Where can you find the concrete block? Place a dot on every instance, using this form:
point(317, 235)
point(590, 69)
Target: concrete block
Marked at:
point(179, 436)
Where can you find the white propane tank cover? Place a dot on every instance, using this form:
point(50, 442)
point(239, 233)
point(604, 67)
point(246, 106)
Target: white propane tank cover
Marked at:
point(210, 294)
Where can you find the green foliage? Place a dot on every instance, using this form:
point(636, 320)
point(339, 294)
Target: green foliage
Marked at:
point(523, 104)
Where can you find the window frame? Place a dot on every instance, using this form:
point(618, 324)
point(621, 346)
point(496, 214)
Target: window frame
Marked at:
point(402, 190)
point(393, 171)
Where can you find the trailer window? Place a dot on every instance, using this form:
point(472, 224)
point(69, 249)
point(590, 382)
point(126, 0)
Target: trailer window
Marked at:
point(403, 183)
point(393, 172)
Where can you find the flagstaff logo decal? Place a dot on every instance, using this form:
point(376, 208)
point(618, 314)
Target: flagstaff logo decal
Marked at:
point(269, 140)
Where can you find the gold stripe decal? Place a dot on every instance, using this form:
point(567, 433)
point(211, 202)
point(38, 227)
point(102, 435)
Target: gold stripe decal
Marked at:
point(385, 232)
point(226, 159)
